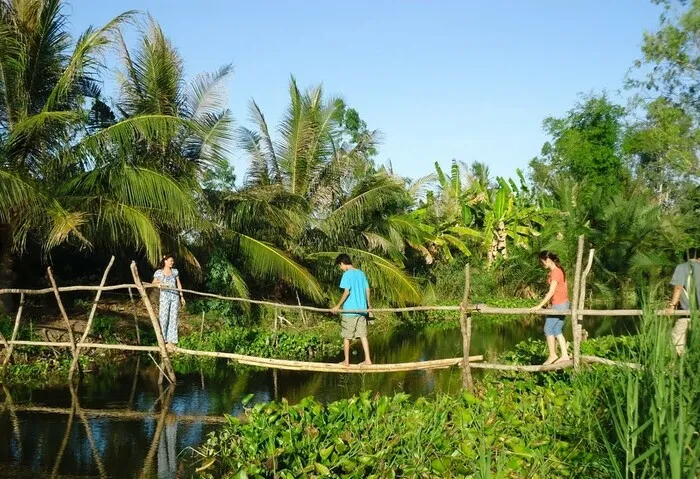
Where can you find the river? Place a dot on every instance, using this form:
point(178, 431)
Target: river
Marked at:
point(121, 424)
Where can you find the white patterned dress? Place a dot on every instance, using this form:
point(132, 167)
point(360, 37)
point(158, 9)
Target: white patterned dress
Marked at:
point(169, 305)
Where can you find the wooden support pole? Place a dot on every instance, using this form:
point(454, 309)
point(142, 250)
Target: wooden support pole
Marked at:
point(574, 299)
point(465, 321)
point(276, 327)
point(201, 328)
point(69, 326)
point(136, 317)
point(154, 321)
point(15, 331)
point(88, 325)
point(578, 318)
point(301, 311)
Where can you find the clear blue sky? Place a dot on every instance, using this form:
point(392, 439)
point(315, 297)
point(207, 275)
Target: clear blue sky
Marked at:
point(441, 79)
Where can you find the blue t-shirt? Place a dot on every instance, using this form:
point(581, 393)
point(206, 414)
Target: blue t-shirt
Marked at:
point(356, 281)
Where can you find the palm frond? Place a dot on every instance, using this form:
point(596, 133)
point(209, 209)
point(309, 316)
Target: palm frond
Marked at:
point(266, 261)
point(386, 279)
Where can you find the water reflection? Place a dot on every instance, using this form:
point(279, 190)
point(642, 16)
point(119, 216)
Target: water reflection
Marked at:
point(122, 423)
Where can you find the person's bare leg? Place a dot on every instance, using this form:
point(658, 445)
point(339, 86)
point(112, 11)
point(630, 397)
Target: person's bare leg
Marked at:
point(346, 350)
point(551, 344)
point(562, 345)
point(365, 347)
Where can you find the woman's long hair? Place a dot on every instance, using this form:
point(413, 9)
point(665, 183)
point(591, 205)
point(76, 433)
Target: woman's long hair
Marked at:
point(165, 257)
point(545, 255)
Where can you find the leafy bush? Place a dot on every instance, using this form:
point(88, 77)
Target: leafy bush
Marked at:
point(521, 432)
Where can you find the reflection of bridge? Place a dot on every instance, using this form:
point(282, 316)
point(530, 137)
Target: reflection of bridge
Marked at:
point(163, 417)
point(465, 311)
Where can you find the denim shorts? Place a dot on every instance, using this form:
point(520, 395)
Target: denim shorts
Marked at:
point(554, 325)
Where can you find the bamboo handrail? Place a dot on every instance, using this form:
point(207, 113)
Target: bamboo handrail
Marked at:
point(476, 308)
point(465, 309)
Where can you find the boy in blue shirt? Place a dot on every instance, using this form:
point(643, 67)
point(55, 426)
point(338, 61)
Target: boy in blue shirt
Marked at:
point(355, 298)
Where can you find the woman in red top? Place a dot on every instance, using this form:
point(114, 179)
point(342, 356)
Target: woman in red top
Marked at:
point(558, 295)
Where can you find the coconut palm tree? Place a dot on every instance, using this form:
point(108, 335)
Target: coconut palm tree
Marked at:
point(336, 199)
point(44, 85)
point(68, 171)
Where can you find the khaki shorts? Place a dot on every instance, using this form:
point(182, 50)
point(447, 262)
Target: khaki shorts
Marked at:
point(353, 326)
point(679, 334)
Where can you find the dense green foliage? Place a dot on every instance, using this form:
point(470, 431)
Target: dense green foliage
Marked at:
point(602, 422)
point(159, 165)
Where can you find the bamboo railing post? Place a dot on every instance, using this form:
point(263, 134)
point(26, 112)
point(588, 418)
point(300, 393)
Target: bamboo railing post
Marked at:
point(465, 321)
point(581, 304)
point(88, 325)
point(154, 321)
point(275, 328)
point(15, 331)
point(574, 302)
point(136, 317)
point(201, 328)
point(69, 327)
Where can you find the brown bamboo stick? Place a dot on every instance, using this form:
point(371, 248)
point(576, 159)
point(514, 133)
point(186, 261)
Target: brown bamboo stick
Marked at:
point(15, 331)
point(69, 326)
point(88, 432)
point(477, 308)
point(154, 322)
point(574, 299)
point(608, 362)
point(124, 347)
point(136, 317)
point(52, 344)
point(88, 326)
point(577, 318)
point(328, 367)
point(465, 321)
point(64, 442)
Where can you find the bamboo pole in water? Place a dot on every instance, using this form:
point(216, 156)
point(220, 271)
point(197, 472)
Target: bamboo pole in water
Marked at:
point(154, 322)
point(147, 464)
point(88, 432)
point(15, 331)
point(76, 363)
point(465, 320)
point(64, 442)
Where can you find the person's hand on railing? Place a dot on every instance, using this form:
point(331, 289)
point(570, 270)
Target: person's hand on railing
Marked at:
point(536, 308)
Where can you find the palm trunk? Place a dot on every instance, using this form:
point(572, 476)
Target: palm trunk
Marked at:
point(7, 275)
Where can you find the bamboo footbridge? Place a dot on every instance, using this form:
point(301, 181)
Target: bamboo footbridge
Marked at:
point(465, 311)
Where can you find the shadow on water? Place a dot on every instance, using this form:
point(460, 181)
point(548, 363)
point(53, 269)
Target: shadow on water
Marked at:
point(126, 425)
